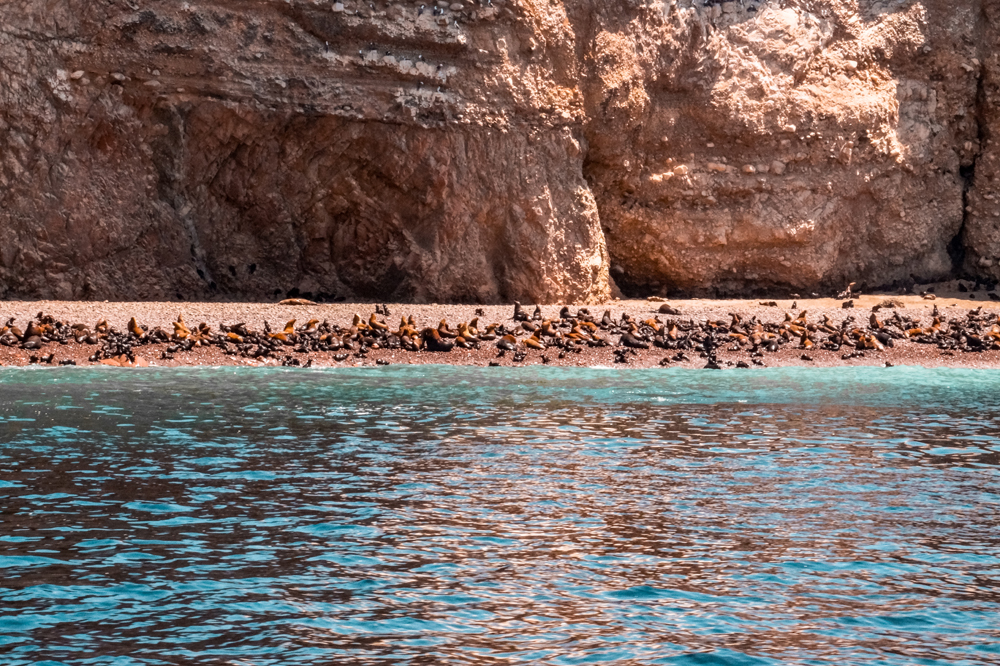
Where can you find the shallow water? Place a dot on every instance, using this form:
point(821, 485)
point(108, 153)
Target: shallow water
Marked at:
point(441, 515)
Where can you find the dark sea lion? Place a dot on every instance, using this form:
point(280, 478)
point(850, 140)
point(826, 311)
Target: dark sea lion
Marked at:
point(666, 308)
point(434, 341)
point(630, 340)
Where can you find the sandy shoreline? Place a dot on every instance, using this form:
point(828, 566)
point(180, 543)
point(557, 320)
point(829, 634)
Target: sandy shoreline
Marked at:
point(952, 307)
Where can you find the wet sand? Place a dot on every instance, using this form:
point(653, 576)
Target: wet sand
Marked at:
point(951, 304)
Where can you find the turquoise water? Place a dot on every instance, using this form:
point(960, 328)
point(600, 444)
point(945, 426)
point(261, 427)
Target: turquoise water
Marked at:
point(439, 515)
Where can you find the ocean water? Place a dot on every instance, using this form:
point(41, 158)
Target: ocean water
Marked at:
point(436, 515)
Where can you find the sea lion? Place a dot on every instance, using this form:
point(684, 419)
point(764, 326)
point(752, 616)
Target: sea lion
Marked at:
point(434, 341)
point(630, 340)
point(465, 333)
point(135, 329)
point(490, 333)
point(507, 343)
point(445, 331)
point(534, 342)
point(181, 331)
point(668, 309)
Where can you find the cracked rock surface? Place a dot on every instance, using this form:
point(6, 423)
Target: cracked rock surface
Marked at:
point(539, 150)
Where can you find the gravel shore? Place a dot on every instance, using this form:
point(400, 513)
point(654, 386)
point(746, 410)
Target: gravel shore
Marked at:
point(952, 305)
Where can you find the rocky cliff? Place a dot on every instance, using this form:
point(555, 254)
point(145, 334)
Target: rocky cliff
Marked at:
point(488, 150)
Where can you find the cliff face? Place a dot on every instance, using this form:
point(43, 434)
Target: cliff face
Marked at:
point(485, 151)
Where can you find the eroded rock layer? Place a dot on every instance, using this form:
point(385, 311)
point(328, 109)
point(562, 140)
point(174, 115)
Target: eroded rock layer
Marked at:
point(491, 150)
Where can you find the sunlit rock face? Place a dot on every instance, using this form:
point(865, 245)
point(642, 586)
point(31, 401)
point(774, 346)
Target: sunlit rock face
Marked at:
point(492, 151)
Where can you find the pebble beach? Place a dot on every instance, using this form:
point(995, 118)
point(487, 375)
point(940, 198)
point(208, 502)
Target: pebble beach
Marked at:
point(952, 306)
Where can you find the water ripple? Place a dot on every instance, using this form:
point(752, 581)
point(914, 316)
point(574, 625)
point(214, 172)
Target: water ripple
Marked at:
point(466, 516)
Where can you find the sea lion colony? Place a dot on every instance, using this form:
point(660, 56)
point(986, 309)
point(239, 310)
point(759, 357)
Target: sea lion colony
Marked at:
point(566, 334)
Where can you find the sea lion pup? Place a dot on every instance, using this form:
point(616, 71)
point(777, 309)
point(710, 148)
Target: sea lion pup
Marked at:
point(519, 314)
point(434, 341)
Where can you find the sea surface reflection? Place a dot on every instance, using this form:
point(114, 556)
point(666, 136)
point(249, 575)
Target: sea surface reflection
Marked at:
point(489, 516)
